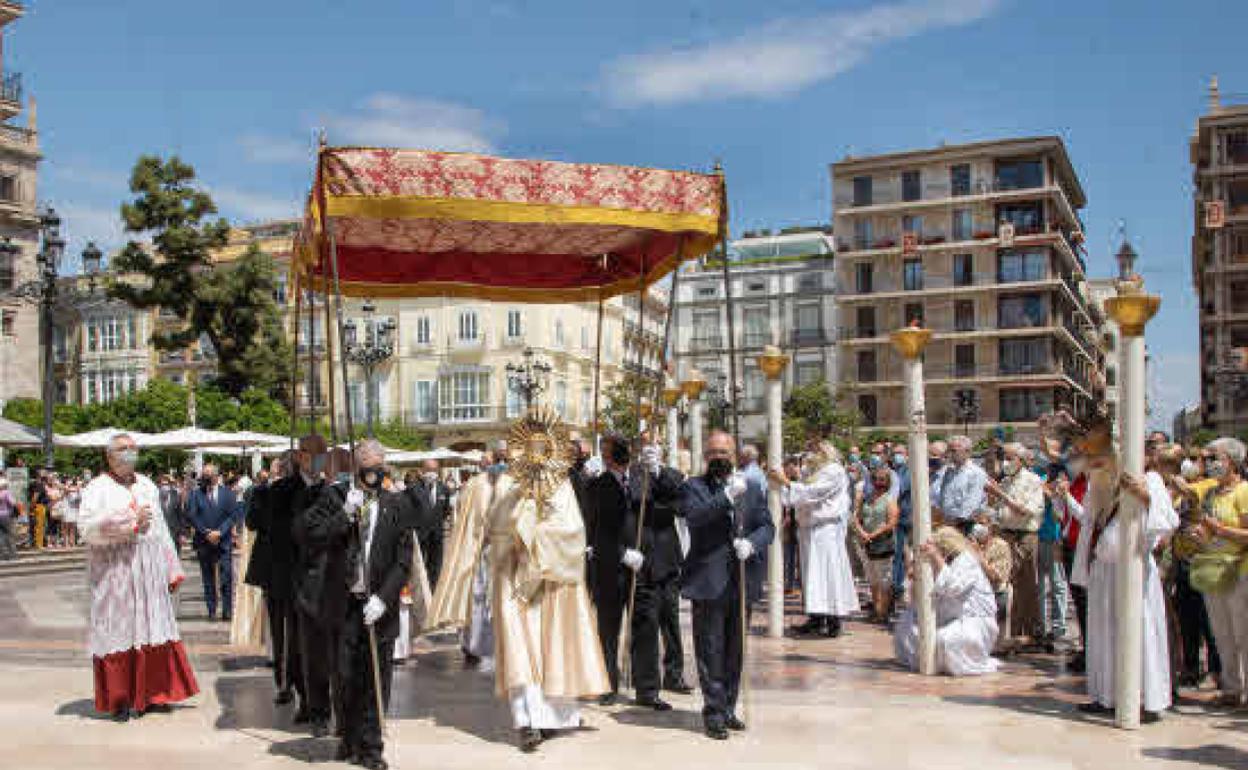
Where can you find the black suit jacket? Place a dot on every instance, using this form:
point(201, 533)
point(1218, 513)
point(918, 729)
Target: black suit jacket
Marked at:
point(580, 485)
point(659, 541)
point(430, 515)
point(270, 514)
point(608, 508)
point(711, 566)
point(171, 508)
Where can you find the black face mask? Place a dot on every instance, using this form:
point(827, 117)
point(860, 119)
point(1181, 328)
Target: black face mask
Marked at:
point(372, 477)
point(619, 453)
point(720, 468)
point(578, 464)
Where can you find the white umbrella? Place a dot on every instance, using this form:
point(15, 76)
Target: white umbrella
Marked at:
point(99, 438)
point(16, 434)
point(251, 438)
point(193, 438)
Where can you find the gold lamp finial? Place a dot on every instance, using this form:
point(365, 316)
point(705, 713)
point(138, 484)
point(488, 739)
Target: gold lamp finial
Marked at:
point(693, 387)
point(911, 340)
point(772, 361)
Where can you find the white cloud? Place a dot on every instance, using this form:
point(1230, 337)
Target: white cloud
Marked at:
point(784, 56)
point(249, 206)
point(391, 120)
point(262, 148)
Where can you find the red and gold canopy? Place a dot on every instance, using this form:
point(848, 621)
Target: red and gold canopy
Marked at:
point(419, 223)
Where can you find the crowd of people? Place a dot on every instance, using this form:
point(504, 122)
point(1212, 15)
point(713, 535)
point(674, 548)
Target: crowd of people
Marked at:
point(562, 570)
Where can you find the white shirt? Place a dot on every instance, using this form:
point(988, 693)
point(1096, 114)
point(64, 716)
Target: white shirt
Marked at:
point(373, 506)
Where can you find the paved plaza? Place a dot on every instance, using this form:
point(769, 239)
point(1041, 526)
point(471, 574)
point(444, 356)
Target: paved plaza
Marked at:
point(812, 704)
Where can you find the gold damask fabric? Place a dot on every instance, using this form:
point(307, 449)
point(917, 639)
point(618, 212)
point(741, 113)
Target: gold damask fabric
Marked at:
point(452, 599)
point(544, 625)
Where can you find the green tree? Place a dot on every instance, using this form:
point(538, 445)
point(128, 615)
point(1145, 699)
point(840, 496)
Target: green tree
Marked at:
point(619, 409)
point(232, 306)
point(813, 410)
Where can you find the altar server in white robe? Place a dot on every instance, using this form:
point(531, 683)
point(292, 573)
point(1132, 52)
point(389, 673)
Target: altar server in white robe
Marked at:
point(1107, 489)
point(966, 610)
point(822, 503)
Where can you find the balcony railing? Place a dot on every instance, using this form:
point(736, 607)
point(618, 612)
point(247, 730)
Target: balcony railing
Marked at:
point(808, 337)
point(753, 340)
point(11, 87)
point(707, 341)
point(18, 135)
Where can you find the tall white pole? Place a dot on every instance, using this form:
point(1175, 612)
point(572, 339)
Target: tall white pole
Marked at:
point(772, 363)
point(696, 408)
point(1131, 309)
point(910, 343)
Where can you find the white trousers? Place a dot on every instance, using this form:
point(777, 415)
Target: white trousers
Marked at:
point(1228, 614)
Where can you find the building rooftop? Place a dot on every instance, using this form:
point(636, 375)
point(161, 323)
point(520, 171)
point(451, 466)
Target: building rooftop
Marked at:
point(814, 243)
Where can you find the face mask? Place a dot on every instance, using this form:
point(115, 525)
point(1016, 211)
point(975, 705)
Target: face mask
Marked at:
point(899, 459)
point(720, 467)
point(1217, 469)
point(979, 532)
point(318, 463)
point(934, 463)
point(128, 458)
point(619, 453)
point(372, 476)
point(430, 477)
point(874, 462)
point(1010, 467)
point(1189, 470)
point(853, 457)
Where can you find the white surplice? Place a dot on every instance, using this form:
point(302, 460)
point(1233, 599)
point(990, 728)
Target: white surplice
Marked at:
point(822, 504)
point(1159, 520)
point(966, 622)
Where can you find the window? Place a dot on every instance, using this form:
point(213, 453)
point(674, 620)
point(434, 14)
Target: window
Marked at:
point(1019, 174)
point(964, 361)
point(1237, 196)
point(1025, 355)
point(355, 401)
point(559, 341)
point(1236, 148)
point(8, 272)
point(514, 326)
point(60, 345)
point(515, 405)
point(756, 287)
point(1236, 245)
point(463, 396)
point(706, 291)
point(425, 401)
point(8, 323)
point(913, 313)
point(962, 225)
point(561, 399)
point(866, 366)
point(1025, 405)
point(8, 188)
point(132, 331)
point(1111, 376)
point(912, 223)
point(863, 273)
point(960, 179)
point(866, 322)
point(808, 372)
point(584, 338)
point(808, 326)
point(867, 408)
point(1024, 311)
point(424, 332)
point(912, 275)
point(93, 389)
point(809, 282)
point(753, 388)
point(862, 191)
point(110, 334)
point(1015, 266)
point(757, 328)
point(468, 326)
point(706, 328)
point(1027, 218)
point(963, 270)
point(586, 405)
point(911, 186)
point(862, 234)
point(964, 315)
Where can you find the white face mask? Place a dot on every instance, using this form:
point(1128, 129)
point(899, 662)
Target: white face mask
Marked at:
point(429, 477)
point(1010, 467)
point(127, 459)
point(1189, 470)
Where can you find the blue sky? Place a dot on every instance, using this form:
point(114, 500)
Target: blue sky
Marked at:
point(777, 90)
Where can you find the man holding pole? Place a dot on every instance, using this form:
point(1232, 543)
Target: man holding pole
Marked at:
point(730, 528)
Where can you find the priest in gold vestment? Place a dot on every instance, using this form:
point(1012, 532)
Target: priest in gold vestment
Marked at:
point(546, 647)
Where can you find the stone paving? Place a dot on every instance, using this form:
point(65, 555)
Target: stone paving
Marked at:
point(825, 703)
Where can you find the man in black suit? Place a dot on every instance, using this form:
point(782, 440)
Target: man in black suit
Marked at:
point(171, 507)
point(431, 505)
point(270, 513)
point(655, 562)
point(374, 525)
point(214, 511)
point(609, 498)
point(728, 523)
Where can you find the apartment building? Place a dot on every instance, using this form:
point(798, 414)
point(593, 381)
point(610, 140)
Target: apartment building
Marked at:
point(1219, 157)
point(100, 346)
point(982, 243)
point(784, 294)
point(20, 362)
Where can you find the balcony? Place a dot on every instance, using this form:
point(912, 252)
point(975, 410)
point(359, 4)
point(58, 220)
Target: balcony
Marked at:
point(19, 138)
point(706, 342)
point(805, 337)
point(752, 340)
point(10, 95)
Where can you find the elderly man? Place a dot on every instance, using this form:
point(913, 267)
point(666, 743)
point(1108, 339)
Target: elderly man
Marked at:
point(729, 524)
point(961, 493)
point(431, 503)
point(140, 664)
point(214, 510)
point(366, 530)
point(1019, 502)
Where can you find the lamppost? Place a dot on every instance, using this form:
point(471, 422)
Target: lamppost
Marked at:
point(528, 379)
point(43, 291)
point(966, 408)
point(692, 389)
point(375, 349)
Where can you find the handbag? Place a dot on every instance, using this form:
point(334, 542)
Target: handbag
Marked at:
point(1214, 572)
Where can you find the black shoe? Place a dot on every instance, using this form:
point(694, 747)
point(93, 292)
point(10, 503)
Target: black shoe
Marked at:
point(1094, 708)
point(320, 728)
point(530, 739)
point(226, 618)
point(283, 697)
point(471, 661)
point(833, 628)
point(302, 716)
point(653, 702)
point(345, 754)
point(812, 627)
point(122, 715)
point(609, 699)
point(212, 617)
point(159, 708)
point(716, 732)
point(1078, 664)
point(732, 723)
point(373, 763)
point(679, 686)
point(399, 662)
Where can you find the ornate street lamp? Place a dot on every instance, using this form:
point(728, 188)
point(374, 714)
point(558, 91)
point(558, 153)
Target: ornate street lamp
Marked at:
point(369, 347)
point(92, 258)
point(528, 379)
point(966, 408)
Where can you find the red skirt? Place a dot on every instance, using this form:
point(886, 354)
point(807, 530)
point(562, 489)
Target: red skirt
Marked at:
point(142, 677)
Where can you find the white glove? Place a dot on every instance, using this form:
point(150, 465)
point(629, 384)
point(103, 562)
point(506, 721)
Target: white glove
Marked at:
point(355, 501)
point(744, 548)
point(736, 487)
point(589, 552)
point(593, 466)
point(373, 610)
point(633, 559)
point(652, 459)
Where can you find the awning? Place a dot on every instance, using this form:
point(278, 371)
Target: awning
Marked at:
point(420, 223)
point(16, 434)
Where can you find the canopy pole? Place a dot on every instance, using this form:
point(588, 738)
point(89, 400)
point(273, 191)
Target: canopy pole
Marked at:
point(333, 256)
point(732, 337)
point(329, 344)
point(626, 658)
point(667, 340)
point(597, 423)
point(294, 357)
